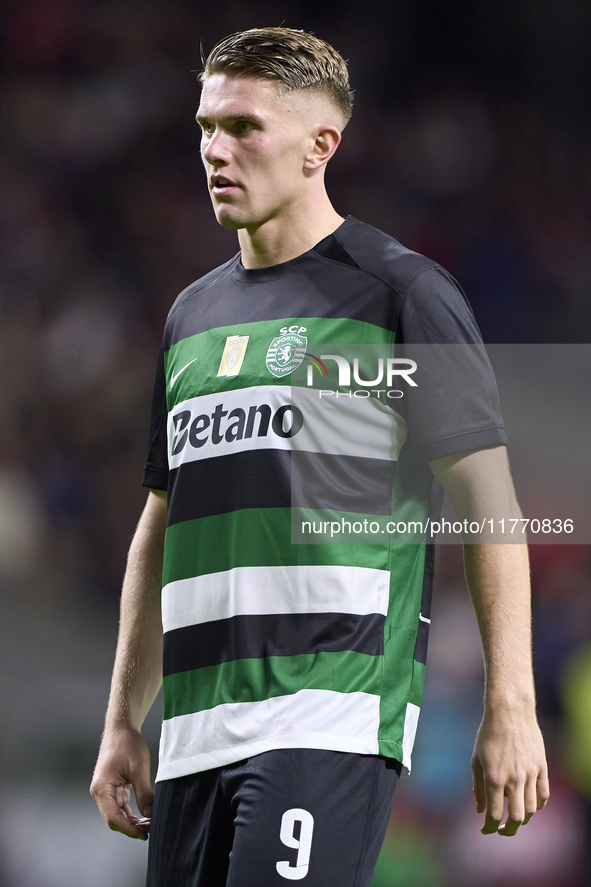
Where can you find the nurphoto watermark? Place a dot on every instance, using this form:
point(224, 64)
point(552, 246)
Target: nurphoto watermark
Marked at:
point(375, 414)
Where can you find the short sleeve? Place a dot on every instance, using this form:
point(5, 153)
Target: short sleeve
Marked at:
point(156, 470)
point(455, 404)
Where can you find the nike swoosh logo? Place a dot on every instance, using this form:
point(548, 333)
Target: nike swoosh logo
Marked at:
point(175, 376)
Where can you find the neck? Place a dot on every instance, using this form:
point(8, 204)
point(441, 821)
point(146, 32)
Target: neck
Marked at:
point(288, 235)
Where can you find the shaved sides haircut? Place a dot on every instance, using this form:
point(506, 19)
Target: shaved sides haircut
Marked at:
point(293, 59)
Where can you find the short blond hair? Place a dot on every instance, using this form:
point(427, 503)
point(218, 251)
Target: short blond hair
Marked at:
point(292, 58)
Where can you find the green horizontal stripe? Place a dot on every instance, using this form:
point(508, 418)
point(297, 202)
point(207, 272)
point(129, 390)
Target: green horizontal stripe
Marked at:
point(208, 348)
point(252, 680)
point(253, 537)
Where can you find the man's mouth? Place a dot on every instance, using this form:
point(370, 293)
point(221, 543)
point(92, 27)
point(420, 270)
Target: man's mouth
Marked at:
point(220, 185)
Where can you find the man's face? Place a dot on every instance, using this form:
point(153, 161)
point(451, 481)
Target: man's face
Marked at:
point(254, 143)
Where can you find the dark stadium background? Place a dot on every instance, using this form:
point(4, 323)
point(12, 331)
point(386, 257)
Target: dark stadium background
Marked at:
point(471, 142)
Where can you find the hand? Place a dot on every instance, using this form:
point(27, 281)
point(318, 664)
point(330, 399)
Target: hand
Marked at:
point(123, 763)
point(509, 762)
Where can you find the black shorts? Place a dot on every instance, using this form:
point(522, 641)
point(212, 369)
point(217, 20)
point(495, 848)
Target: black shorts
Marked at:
point(287, 815)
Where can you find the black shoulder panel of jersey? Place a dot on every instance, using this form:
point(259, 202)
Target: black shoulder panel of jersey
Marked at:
point(378, 254)
point(433, 306)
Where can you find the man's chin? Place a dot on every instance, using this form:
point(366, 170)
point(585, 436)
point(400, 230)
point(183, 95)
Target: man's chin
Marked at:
point(228, 217)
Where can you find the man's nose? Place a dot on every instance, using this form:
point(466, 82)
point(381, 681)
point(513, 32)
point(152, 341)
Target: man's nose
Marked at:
point(215, 148)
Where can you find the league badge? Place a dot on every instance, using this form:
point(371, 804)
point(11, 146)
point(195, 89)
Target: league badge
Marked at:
point(285, 354)
point(233, 355)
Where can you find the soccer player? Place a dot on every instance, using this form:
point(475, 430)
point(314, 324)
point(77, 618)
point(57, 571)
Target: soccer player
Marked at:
point(293, 672)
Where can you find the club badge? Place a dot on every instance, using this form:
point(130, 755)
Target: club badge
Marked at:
point(285, 354)
point(233, 355)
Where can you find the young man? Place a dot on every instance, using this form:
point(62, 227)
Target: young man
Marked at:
point(293, 672)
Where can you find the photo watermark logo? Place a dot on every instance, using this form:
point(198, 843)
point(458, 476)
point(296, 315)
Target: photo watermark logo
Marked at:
point(388, 369)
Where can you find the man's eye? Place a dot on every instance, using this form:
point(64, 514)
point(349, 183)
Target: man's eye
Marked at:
point(243, 126)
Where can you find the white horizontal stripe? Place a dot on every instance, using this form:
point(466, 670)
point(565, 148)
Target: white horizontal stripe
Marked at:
point(234, 731)
point(246, 591)
point(349, 427)
point(411, 721)
point(424, 619)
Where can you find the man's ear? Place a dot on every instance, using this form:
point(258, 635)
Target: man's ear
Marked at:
point(326, 139)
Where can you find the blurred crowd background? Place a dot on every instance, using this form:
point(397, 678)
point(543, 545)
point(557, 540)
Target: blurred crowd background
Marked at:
point(470, 142)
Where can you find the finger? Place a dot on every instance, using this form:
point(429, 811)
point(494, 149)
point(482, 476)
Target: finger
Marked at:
point(531, 799)
point(123, 794)
point(119, 822)
point(542, 790)
point(141, 821)
point(515, 793)
point(478, 786)
point(144, 794)
point(117, 818)
point(494, 807)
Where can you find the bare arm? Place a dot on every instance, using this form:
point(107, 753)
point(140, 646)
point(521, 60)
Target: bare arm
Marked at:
point(509, 758)
point(124, 758)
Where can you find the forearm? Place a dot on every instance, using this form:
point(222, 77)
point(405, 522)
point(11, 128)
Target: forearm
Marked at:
point(137, 673)
point(497, 572)
point(498, 580)
point(124, 757)
point(509, 759)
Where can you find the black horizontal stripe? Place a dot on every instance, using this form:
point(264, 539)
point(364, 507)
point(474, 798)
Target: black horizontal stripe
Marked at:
point(255, 479)
point(255, 637)
point(279, 479)
point(345, 483)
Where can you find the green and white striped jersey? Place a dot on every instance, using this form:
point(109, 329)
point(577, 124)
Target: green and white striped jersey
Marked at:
point(269, 642)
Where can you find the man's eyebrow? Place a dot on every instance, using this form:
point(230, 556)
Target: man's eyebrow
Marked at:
point(230, 118)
